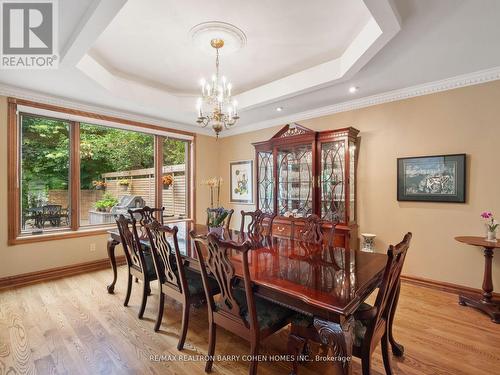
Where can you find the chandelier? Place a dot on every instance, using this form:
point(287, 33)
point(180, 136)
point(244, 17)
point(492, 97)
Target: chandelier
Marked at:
point(222, 112)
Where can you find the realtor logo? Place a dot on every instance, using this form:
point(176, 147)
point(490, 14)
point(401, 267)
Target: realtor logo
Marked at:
point(29, 34)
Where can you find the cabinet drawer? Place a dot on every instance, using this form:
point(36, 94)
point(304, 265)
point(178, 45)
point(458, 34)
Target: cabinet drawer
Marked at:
point(281, 229)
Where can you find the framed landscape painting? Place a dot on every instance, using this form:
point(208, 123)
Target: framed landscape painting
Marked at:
point(438, 178)
point(241, 183)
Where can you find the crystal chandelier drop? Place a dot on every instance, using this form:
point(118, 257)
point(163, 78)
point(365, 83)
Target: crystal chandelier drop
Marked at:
point(216, 97)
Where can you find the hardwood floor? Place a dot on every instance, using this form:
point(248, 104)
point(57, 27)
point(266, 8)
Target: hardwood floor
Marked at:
point(73, 326)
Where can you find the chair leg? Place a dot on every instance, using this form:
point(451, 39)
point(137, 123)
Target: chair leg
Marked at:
point(145, 293)
point(386, 355)
point(366, 363)
point(161, 305)
point(397, 349)
point(254, 352)
point(295, 346)
point(211, 346)
point(129, 289)
point(185, 324)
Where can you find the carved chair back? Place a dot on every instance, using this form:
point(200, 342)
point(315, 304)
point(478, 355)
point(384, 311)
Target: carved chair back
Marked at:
point(131, 243)
point(166, 255)
point(390, 282)
point(213, 213)
point(220, 264)
point(313, 230)
point(146, 215)
point(260, 224)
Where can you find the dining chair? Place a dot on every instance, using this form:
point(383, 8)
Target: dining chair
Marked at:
point(313, 229)
point(139, 263)
point(213, 214)
point(236, 309)
point(175, 281)
point(145, 215)
point(260, 224)
point(371, 323)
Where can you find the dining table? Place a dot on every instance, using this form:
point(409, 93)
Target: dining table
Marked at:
point(324, 282)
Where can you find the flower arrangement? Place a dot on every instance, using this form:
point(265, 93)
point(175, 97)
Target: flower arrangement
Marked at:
point(491, 225)
point(99, 185)
point(124, 182)
point(167, 180)
point(214, 184)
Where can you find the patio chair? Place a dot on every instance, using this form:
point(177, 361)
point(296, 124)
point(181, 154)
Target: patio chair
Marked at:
point(52, 214)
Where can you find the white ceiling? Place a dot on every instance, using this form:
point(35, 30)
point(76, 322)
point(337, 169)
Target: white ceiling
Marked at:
point(156, 48)
point(368, 44)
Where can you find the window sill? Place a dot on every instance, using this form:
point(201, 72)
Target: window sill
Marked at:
point(66, 234)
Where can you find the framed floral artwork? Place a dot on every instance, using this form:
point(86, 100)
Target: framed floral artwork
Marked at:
point(241, 181)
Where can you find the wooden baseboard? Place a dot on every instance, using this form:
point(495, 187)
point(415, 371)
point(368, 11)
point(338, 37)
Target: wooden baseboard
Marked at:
point(442, 286)
point(56, 273)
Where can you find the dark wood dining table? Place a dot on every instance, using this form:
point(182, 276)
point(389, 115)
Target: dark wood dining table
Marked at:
point(325, 282)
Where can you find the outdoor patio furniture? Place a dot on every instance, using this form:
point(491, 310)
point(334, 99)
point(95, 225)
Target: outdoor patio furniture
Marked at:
point(51, 213)
point(33, 214)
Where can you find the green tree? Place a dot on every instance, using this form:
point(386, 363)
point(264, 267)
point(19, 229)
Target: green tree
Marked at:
point(46, 149)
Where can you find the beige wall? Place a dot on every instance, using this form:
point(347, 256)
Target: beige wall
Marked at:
point(44, 255)
point(465, 120)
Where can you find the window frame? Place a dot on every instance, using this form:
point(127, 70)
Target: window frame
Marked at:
point(75, 230)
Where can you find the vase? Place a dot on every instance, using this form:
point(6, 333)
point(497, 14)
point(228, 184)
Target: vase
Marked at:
point(491, 235)
point(218, 230)
point(368, 242)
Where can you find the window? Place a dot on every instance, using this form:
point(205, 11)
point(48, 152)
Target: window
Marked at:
point(114, 163)
point(175, 178)
point(44, 163)
point(66, 174)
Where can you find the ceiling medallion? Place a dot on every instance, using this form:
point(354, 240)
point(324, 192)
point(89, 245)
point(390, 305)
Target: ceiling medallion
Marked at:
point(203, 33)
point(215, 106)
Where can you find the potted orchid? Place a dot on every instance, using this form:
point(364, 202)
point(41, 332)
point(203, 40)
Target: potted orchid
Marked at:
point(214, 184)
point(491, 226)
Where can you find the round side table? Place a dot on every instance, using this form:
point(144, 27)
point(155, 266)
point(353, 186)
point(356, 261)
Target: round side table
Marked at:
point(484, 303)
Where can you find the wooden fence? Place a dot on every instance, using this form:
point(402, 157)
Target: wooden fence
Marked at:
point(142, 183)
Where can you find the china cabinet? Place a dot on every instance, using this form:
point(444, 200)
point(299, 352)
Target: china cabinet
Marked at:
point(302, 172)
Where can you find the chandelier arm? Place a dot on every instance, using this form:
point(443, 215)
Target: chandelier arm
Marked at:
point(219, 97)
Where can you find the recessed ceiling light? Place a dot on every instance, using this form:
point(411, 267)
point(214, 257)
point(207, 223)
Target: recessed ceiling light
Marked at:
point(279, 109)
point(353, 89)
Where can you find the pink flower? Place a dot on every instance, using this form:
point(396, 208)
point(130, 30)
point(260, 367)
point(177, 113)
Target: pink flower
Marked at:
point(486, 215)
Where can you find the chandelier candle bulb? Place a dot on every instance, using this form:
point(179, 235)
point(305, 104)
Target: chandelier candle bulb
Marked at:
point(216, 97)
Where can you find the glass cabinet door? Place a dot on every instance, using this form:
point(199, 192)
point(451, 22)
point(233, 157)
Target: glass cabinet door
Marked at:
point(266, 181)
point(332, 184)
point(295, 180)
point(352, 181)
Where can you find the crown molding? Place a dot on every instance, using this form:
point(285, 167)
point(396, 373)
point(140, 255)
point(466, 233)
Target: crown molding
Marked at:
point(475, 78)
point(464, 80)
point(20, 93)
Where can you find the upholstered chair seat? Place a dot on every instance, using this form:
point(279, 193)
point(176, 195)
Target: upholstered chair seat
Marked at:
point(360, 325)
point(195, 283)
point(268, 314)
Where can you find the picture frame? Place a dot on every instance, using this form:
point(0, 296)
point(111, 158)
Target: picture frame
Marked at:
point(241, 182)
point(435, 178)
